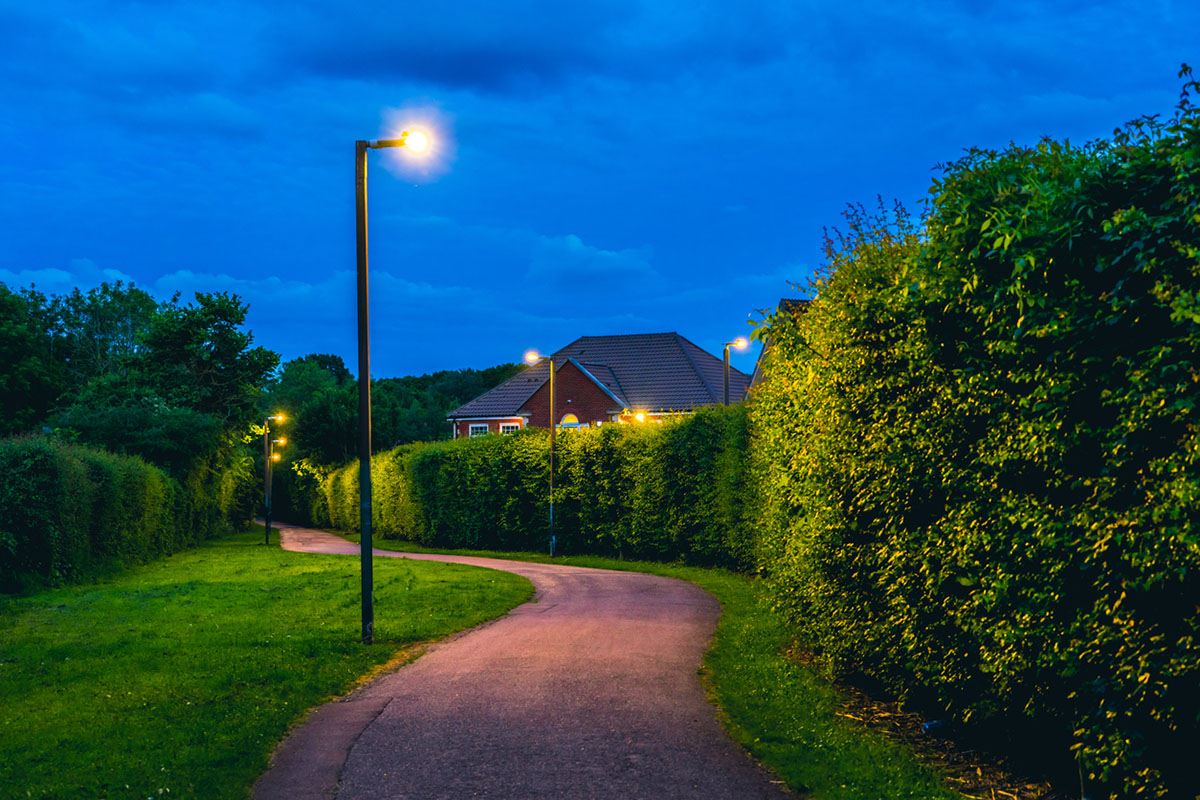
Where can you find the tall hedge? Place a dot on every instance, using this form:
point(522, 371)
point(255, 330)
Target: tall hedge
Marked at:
point(68, 512)
point(673, 491)
point(979, 458)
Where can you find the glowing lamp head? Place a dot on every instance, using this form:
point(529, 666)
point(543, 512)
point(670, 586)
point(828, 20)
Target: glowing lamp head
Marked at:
point(281, 441)
point(739, 343)
point(275, 456)
point(278, 417)
point(532, 357)
point(416, 141)
point(640, 417)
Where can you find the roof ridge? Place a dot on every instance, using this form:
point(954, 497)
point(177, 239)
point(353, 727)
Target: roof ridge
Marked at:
point(623, 336)
point(679, 340)
point(599, 383)
point(617, 380)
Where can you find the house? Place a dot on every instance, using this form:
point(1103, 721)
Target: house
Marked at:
point(604, 379)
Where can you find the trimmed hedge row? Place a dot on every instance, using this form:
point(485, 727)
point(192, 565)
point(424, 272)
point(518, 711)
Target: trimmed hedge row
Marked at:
point(71, 512)
point(979, 454)
point(672, 492)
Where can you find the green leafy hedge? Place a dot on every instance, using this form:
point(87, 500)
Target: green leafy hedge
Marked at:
point(668, 492)
point(68, 513)
point(978, 451)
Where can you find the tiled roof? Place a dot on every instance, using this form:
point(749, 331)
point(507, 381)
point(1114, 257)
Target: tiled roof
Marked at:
point(507, 398)
point(603, 375)
point(647, 371)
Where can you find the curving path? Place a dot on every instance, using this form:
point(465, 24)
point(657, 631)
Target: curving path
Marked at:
point(589, 691)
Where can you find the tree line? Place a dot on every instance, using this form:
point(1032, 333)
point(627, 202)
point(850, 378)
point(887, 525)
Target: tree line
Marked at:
point(178, 383)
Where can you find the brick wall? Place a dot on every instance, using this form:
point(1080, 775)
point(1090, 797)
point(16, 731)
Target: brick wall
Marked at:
point(574, 393)
point(463, 427)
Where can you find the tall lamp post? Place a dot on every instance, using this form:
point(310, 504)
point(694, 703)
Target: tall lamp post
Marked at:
point(533, 358)
point(740, 344)
point(269, 457)
point(417, 142)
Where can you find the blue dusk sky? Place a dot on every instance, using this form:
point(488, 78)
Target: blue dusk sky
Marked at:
point(601, 167)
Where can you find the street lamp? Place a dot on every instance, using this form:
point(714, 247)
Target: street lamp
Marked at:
point(417, 142)
point(740, 344)
point(533, 358)
point(269, 457)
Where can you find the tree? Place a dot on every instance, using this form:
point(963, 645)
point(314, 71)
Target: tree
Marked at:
point(196, 356)
point(320, 397)
point(302, 379)
point(99, 330)
point(31, 380)
point(178, 389)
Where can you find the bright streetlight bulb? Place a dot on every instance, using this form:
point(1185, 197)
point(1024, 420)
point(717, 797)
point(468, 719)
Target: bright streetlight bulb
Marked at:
point(739, 343)
point(532, 356)
point(417, 141)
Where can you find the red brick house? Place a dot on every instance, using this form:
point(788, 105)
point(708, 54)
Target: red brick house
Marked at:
point(604, 379)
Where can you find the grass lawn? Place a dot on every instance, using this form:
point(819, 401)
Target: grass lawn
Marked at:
point(781, 711)
point(178, 679)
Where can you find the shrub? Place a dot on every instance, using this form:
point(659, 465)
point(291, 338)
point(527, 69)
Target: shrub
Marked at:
point(68, 512)
point(669, 491)
point(978, 451)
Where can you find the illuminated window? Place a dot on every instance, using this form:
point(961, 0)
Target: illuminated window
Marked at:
point(509, 427)
point(479, 429)
point(569, 421)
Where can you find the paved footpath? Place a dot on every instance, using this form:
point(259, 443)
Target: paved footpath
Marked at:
point(589, 691)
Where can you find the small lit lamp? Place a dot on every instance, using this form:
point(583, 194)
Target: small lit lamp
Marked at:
point(533, 358)
point(269, 457)
point(740, 344)
point(417, 142)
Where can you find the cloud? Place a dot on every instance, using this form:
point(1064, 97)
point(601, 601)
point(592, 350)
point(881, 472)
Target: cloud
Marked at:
point(207, 112)
point(539, 263)
point(522, 47)
point(565, 262)
point(81, 273)
point(477, 44)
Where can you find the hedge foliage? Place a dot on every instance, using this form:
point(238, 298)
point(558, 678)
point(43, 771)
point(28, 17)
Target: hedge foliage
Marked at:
point(671, 492)
point(978, 451)
point(73, 512)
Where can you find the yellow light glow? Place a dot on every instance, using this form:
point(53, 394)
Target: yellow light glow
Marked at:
point(739, 343)
point(640, 417)
point(278, 417)
point(416, 141)
point(281, 441)
point(532, 356)
point(275, 456)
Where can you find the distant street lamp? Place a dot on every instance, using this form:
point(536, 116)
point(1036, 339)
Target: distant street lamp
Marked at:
point(417, 142)
point(533, 358)
point(740, 344)
point(269, 459)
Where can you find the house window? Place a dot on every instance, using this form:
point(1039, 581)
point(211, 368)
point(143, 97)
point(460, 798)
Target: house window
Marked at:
point(569, 421)
point(509, 427)
point(478, 429)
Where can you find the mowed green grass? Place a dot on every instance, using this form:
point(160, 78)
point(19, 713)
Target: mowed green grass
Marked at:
point(179, 678)
point(782, 712)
